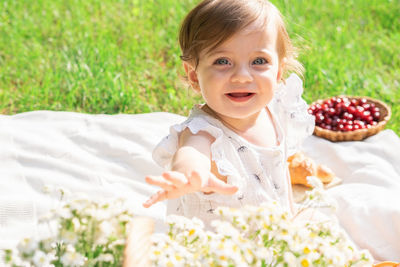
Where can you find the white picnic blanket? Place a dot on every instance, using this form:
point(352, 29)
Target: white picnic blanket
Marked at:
point(109, 155)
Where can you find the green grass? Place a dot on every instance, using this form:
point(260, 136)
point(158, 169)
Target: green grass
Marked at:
point(116, 56)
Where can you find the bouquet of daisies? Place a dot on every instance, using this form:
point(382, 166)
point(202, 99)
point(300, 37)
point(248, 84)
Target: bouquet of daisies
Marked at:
point(85, 233)
point(93, 233)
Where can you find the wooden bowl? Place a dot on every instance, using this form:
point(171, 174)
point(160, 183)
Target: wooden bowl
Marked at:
point(360, 134)
point(387, 264)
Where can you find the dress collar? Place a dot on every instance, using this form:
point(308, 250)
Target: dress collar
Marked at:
point(197, 110)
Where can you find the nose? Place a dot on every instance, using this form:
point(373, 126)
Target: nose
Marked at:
point(241, 74)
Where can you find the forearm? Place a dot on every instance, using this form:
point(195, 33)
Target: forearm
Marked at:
point(190, 171)
point(188, 159)
point(193, 154)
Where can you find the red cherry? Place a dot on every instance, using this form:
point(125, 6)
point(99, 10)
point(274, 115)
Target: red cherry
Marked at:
point(376, 115)
point(347, 116)
point(363, 125)
point(346, 101)
point(366, 106)
point(344, 114)
point(331, 111)
point(374, 109)
point(359, 112)
point(352, 110)
point(329, 102)
point(362, 101)
point(366, 113)
point(359, 109)
point(328, 121)
point(341, 107)
point(336, 121)
point(359, 123)
point(354, 102)
point(348, 128)
point(369, 119)
point(319, 118)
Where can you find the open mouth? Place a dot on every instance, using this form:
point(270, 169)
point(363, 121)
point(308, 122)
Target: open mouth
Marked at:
point(240, 97)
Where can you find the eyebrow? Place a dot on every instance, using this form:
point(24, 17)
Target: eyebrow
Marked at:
point(218, 52)
point(264, 51)
point(261, 51)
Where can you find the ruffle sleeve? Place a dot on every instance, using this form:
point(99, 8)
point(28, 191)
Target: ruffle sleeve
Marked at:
point(165, 150)
point(291, 109)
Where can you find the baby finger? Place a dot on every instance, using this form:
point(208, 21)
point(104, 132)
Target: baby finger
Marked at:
point(159, 181)
point(159, 196)
point(177, 178)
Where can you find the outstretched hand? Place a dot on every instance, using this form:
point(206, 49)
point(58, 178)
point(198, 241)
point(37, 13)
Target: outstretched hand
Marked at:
point(175, 184)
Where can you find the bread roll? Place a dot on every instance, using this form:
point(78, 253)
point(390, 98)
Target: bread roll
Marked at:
point(301, 166)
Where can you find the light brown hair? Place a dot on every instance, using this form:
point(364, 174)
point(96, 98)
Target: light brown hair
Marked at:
point(212, 22)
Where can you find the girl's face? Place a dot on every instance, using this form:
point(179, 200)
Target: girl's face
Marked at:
point(238, 78)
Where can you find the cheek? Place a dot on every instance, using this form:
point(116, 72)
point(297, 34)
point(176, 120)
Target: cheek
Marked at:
point(269, 79)
point(209, 80)
point(269, 84)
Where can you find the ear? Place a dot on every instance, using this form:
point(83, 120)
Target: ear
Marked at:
point(192, 75)
point(280, 69)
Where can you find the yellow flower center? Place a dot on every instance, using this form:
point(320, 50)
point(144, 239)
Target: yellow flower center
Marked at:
point(177, 257)
point(235, 248)
point(305, 263)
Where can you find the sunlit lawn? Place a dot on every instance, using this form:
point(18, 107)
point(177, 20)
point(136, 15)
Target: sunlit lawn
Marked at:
point(121, 56)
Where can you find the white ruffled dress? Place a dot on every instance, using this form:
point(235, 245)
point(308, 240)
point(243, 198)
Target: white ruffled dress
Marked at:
point(260, 173)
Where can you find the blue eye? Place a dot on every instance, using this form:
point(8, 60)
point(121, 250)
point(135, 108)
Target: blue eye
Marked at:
point(260, 61)
point(222, 61)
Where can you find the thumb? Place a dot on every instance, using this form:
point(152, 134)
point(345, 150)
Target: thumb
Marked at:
point(218, 186)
